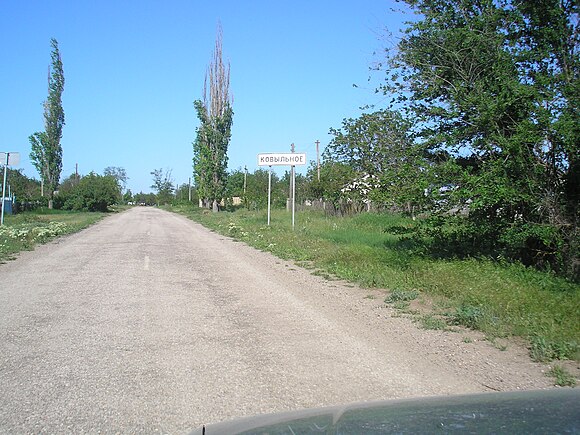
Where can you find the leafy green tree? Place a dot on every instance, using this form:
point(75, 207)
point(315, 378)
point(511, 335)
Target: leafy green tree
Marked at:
point(128, 196)
point(371, 144)
point(93, 192)
point(163, 185)
point(118, 174)
point(493, 88)
point(236, 187)
point(380, 146)
point(145, 198)
point(46, 154)
point(257, 190)
point(235, 183)
point(301, 184)
point(23, 187)
point(215, 115)
point(334, 176)
point(182, 194)
point(68, 184)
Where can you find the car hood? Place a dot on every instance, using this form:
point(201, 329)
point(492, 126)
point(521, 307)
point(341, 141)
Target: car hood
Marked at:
point(546, 411)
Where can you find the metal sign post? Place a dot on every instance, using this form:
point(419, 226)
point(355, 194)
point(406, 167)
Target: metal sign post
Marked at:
point(9, 159)
point(293, 175)
point(269, 191)
point(282, 159)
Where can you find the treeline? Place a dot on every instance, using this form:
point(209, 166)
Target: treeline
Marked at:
point(92, 192)
point(481, 137)
point(482, 134)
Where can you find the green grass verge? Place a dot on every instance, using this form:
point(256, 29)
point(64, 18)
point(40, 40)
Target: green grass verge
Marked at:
point(23, 231)
point(501, 300)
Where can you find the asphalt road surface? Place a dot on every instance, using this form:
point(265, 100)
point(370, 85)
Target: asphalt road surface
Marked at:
point(147, 322)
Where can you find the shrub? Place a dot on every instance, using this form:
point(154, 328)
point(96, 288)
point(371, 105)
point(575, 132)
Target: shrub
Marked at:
point(92, 193)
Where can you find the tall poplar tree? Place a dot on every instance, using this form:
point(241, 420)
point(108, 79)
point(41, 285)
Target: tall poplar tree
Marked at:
point(46, 154)
point(215, 114)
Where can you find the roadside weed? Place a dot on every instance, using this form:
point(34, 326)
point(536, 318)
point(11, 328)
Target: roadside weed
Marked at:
point(433, 322)
point(562, 378)
point(400, 295)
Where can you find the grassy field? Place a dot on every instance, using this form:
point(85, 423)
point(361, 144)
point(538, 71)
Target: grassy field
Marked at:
point(501, 300)
point(23, 231)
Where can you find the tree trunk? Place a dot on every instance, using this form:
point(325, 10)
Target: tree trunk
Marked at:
point(50, 204)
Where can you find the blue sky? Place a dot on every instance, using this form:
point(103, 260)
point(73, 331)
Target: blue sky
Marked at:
point(134, 68)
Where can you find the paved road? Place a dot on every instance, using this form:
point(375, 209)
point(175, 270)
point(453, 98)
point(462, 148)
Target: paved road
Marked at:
point(148, 322)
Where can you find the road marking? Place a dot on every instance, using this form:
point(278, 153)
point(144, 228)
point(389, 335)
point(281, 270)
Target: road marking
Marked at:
point(146, 264)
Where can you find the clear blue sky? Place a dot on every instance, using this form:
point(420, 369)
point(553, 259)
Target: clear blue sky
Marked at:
point(134, 68)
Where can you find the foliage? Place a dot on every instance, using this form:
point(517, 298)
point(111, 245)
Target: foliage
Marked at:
point(93, 192)
point(380, 146)
point(562, 377)
point(257, 191)
point(145, 198)
point(24, 188)
point(256, 188)
point(182, 193)
point(371, 144)
point(235, 183)
point(215, 115)
point(399, 295)
point(118, 174)
point(334, 175)
point(128, 196)
point(46, 154)
point(493, 90)
point(163, 185)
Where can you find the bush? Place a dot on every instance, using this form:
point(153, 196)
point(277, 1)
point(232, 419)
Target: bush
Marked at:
point(92, 193)
point(543, 246)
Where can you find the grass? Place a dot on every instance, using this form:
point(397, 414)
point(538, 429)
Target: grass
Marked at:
point(398, 295)
point(430, 321)
point(499, 299)
point(562, 378)
point(23, 231)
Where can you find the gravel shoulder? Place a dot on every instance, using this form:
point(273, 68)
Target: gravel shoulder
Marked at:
point(149, 322)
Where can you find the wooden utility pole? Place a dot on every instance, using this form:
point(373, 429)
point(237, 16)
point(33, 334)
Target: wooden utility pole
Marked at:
point(245, 178)
point(317, 158)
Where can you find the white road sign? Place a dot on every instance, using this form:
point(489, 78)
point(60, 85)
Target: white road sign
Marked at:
point(281, 159)
point(13, 159)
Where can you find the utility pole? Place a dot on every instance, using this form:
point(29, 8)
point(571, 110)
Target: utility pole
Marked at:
point(245, 178)
point(4, 189)
point(290, 197)
point(189, 189)
point(317, 158)
point(293, 186)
